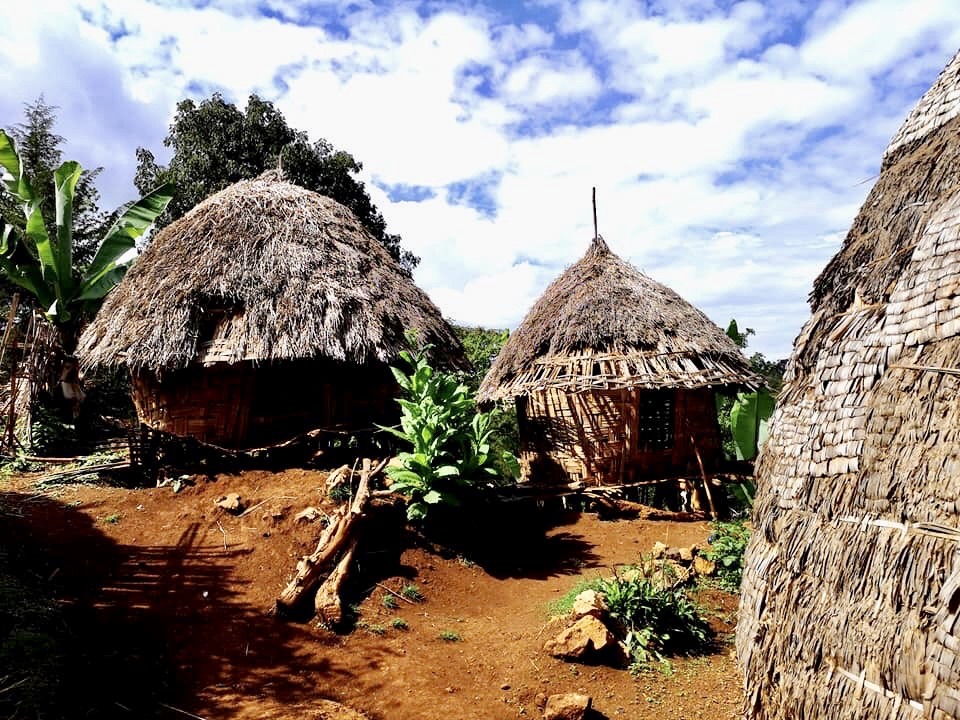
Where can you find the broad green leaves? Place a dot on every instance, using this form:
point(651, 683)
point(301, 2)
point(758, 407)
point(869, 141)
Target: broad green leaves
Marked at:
point(44, 266)
point(749, 420)
point(449, 439)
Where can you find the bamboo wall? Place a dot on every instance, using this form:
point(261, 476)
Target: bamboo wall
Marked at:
point(614, 437)
point(242, 405)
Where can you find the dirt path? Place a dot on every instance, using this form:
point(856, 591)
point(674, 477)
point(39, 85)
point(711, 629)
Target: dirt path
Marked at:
point(172, 598)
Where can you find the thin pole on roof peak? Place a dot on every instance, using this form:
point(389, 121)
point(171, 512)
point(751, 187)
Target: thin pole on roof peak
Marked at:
point(595, 233)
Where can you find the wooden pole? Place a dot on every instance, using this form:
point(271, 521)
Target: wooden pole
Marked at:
point(596, 233)
point(706, 479)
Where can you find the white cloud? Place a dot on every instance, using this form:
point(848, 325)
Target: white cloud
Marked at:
point(728, 143)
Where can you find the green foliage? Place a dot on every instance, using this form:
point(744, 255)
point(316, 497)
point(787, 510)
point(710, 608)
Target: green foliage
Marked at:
point(657, 620)
point(49, 433)
point(727, 545)
point(215, 145)
point(481, 346)
point(40, 154)
point(450, 441)
point(112, 519)
point(412, 592)
point(399, 624)
point(42, 262)
point(389, 602)
point(749, 422)
point(449, 636)
point(340, 494)
point(744, 417)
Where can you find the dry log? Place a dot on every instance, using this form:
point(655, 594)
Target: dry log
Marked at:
point(328, 605)
point(340, 533)
point(615, 507)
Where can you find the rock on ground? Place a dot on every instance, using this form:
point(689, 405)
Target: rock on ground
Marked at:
point(587, 636)
point(567, 706)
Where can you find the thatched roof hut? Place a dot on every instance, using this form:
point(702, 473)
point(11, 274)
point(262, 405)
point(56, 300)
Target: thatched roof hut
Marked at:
point(613, 373)
point(851, 593)
point(264, 311)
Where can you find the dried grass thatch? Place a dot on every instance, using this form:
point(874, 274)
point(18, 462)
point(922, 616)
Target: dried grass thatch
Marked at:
point(603, 324)
point(851, 594)
point(263, 271)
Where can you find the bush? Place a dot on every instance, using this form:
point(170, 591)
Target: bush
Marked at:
point(450, 440)
point(727, 544)
point(656, 619)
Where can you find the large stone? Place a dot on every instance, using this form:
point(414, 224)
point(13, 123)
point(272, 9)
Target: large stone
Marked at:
point(686, 555)
point(230, 502)
point(590, 602)
point(567, 706)
point(587, 637)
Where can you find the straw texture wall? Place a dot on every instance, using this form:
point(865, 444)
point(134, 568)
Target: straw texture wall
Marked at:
point(851, 593)
point(267, 310)
point(612, 374)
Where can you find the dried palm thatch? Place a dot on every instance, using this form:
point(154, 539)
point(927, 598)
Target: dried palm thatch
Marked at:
point(613, 374)
point(851, 594)
point(602, 325)
point(267, 299)
point(263, 270)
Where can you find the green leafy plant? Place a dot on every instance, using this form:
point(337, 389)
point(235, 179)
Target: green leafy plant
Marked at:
point(389, 602)
point(399, 624)
point(450, 440)
point(655, 618)
point(43, 265)
point(371, 628)
point(449, 636)
point(727, 545)
point(412, 592)
point(749, 422)
point(112, 519)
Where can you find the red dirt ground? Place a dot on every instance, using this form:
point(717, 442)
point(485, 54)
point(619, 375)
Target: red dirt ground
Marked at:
point(170, 598)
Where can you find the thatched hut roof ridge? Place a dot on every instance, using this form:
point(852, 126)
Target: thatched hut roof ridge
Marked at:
point(938, 106)
point(604, 324)
point(263, 271)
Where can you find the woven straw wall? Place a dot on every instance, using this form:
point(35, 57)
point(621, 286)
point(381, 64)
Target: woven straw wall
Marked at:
point(245, 405)
point(614, 437)
point(851, 593)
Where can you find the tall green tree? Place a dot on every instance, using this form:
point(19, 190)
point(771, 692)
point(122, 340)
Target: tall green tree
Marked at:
point(40, 152)
point(43, 263)
point(215, 145)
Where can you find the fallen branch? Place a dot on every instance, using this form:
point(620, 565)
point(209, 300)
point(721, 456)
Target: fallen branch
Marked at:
point(339, 535)
point(395, 593)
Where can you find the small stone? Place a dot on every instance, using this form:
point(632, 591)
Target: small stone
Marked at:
point(230, 502)
point(702, 566)
point(567, 706)
point(505, 686)
point(659, 550)
point(540, 700)
point(307, 515)
point(586, 637)
point(589, 602)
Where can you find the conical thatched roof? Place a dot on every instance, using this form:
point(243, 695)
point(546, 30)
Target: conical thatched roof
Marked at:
point(604, 324)
point(263, 270)
point(851, 593)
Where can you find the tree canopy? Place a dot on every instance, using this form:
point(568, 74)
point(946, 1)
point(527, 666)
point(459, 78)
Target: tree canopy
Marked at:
point(215, 145)
point(40, 153)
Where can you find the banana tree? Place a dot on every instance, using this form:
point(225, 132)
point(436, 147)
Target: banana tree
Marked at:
point(42, 263)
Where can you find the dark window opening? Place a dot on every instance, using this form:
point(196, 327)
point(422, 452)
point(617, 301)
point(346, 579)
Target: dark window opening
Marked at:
point(655, 420)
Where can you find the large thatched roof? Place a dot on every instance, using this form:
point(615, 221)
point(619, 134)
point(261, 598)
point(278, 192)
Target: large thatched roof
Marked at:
point(851, 593)
point(604, 324)
point(263, 270)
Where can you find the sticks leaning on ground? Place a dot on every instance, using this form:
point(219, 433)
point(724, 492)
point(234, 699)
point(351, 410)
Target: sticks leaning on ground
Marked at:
point(341, 534)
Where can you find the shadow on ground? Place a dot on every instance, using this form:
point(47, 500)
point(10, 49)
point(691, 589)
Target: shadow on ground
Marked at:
point(92, 629)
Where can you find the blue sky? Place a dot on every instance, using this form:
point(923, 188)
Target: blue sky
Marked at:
point(731, 143)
